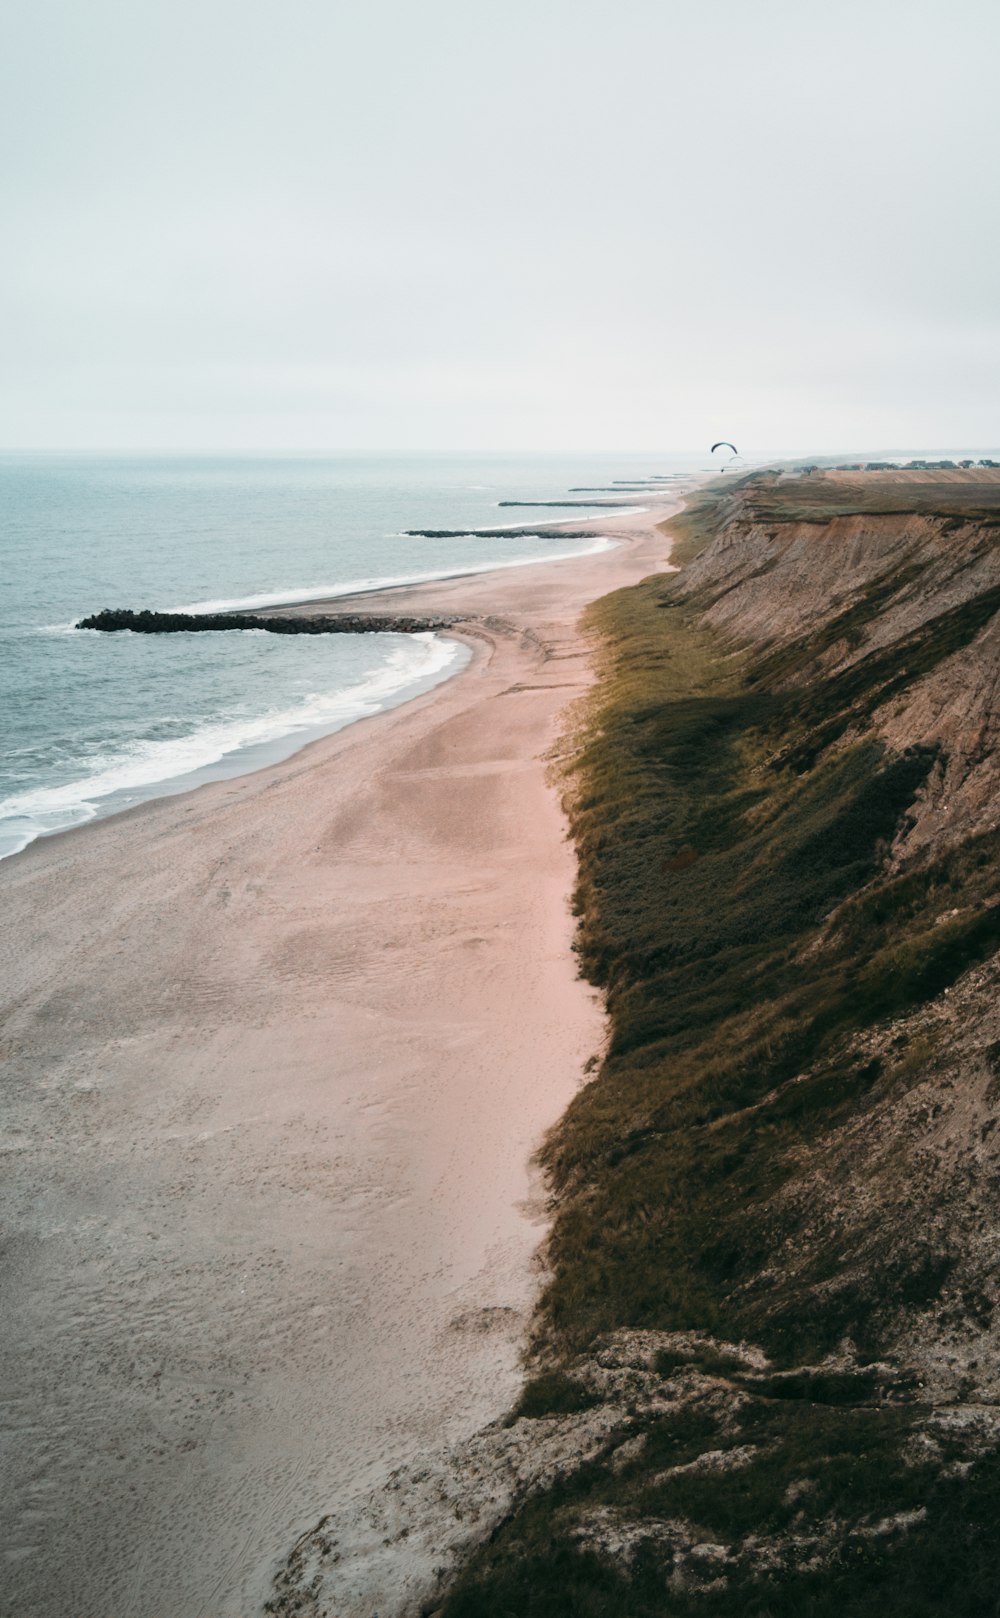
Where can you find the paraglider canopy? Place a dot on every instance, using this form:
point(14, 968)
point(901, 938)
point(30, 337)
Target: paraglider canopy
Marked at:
point(724, 444)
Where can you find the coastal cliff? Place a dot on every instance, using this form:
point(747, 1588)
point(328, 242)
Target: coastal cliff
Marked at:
point(765, 1373)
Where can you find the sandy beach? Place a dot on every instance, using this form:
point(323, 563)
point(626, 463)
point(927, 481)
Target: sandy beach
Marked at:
point(277, 1053)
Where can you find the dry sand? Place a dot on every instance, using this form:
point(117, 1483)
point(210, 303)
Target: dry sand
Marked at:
point(276, 1053)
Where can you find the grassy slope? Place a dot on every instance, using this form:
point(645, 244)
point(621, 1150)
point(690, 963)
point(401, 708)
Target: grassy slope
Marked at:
point(732, 904)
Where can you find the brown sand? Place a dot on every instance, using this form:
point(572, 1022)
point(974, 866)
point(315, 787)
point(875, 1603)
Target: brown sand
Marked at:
point(277, 1052)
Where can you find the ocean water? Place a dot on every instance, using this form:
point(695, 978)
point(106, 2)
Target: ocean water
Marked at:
point(92, 723)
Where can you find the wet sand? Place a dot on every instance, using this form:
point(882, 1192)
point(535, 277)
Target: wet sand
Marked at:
point(276, 1054)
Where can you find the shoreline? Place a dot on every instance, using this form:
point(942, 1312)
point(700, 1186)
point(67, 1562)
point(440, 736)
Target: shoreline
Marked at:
point(280, 1053)
point(248, 758)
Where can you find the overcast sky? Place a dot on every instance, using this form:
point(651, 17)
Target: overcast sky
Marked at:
point(530, 224)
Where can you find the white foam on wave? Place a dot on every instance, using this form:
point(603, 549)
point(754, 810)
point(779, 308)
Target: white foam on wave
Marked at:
point(30, 631)
point(354, 587)
point(423, 661)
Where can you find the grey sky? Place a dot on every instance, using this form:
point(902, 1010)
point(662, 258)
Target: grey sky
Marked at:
point(558, 225)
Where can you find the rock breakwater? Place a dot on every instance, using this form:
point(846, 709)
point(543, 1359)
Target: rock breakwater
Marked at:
point(111, 620)
point(528, 532)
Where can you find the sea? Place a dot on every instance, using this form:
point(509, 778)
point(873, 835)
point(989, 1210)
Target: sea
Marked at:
point(93, 723)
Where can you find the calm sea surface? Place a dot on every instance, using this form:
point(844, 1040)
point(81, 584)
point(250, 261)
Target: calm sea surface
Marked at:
point(91, 723)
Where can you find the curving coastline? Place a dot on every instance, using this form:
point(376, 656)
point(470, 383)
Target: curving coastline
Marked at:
point(278, 1061)
point(765, 1359)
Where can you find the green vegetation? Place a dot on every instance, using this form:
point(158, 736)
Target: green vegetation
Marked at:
point(732, 813)
point(940, 1563)
point(553, 1393)
point(708, 872)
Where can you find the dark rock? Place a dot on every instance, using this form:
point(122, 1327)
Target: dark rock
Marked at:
point(528, 532)
point(173, 623)
point(611, 505)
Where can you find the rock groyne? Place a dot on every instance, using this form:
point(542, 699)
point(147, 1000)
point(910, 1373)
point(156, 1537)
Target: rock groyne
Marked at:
point(174, 623)
point(531, 531)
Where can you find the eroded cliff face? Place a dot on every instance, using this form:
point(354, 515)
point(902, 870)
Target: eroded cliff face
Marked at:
point(766, 1372)
point(922, 584)
point(894, 615)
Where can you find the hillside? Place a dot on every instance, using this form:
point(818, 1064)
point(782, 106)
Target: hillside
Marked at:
point(771, 1317)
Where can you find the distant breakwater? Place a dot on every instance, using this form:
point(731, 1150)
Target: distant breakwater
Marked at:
point(640, 486)
point(500, 533)
point(610, 505)
point(174, 623)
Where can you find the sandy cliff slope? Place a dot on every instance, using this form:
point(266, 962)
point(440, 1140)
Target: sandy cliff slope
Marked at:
point(922, 582)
